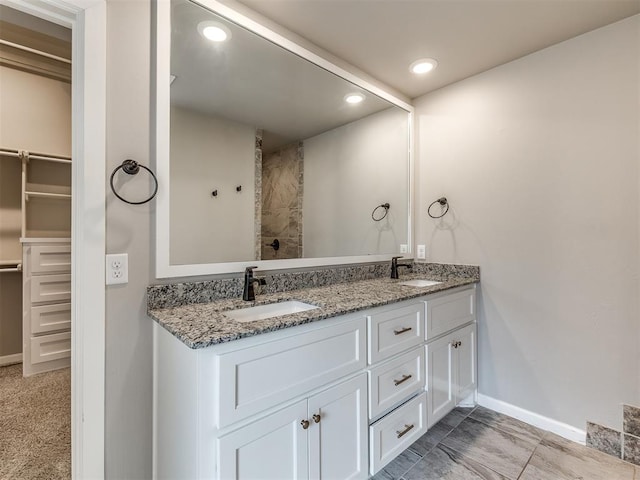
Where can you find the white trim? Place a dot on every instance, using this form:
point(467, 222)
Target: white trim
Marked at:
point(10, 359)
point(545, 423)
point(88, 20)
point(88, 239)
point(161, 130)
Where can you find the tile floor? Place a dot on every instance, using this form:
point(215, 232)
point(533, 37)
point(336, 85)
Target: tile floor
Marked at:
point(477, 443)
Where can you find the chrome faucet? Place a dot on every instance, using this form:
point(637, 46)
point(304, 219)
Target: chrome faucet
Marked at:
point(248, 292)
point(395, 265)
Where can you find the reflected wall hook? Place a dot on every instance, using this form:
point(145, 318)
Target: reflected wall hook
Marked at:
point(214, 193)
point(443, 203)
point(239, 188)
point(131, 167)
point(275, 244)
point(386, 207)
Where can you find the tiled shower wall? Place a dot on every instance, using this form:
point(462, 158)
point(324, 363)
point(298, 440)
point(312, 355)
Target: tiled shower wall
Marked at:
point(282, 189)
point(625, 444)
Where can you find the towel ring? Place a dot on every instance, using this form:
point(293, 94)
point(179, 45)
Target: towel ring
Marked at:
point(131, 167)
point(443, 203)
point(386, 210)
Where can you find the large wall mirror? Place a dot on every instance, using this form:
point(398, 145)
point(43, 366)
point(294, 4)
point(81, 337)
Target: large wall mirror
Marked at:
point(264, 154)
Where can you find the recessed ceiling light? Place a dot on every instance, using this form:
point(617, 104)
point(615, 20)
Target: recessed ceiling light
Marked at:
point(353, 98)
point(423, 65)
point(214, 31)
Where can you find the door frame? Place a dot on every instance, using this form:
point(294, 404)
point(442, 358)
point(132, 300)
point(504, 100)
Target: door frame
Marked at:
point(88, 21)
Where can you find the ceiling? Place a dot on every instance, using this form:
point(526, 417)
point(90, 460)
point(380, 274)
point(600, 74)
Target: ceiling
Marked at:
point(466, 37)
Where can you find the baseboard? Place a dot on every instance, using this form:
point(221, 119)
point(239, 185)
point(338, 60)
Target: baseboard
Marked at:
point(564, 430)
point(10, 359)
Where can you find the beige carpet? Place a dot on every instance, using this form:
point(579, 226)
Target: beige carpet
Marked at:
point(35, 425)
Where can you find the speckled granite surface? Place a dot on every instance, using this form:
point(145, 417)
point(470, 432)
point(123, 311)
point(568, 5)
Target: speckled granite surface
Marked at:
point(200, 325)
point(176, 294)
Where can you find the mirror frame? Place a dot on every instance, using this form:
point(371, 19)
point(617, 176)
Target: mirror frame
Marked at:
point(160, 143)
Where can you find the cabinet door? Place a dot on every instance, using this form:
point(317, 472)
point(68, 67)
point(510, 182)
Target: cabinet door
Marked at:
point(440, 383)
point(466, 360)
point(274, 447)
point(338, 431)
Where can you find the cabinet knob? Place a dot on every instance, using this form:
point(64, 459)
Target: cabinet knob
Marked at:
point(316, 417)
point(305, 424)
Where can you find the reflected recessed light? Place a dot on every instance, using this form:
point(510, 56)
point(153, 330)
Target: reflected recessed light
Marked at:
point(353, 98)
point(423, 65)
point(214, 31)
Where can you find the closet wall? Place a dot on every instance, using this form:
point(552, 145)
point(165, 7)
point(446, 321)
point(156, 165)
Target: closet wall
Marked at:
point(35, 116)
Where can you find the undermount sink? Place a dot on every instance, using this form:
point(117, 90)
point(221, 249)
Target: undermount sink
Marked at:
point(271, 310)
point(419, 283)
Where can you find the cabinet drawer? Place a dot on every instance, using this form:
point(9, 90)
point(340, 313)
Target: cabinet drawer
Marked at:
point(395, 380)
point(50, 288)
point(396, 431)
point(449, 312)
point(260, 377)
point(50, 318)
point(50, 258)
point(50, 347)
point(395, 331)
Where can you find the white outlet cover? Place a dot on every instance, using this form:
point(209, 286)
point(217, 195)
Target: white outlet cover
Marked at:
point(422, 251)
point(117, 268)
point(403, 248)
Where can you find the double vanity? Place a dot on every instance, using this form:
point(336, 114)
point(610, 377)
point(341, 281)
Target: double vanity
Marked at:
point(332, 381)
point(327, 373)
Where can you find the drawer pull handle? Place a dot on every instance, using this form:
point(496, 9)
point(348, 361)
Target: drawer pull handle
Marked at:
point(316, 417)
point(405, 431)
point(402, 380)
point(305, 424)
point(404, 330)
point(457, 344)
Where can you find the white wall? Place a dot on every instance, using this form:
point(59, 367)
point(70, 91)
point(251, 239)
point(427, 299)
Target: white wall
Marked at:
point(35, 113)
point(539, 160)
point(211, 153)
point(346, 175)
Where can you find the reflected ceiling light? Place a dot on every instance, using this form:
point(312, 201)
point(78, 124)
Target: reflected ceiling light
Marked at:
point(353, 98)
point(423, 65)
point(214, 31)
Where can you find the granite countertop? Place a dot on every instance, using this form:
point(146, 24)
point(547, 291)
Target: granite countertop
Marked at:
point(204, 324)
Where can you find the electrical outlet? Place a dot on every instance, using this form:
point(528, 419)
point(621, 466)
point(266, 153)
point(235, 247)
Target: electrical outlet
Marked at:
point(422, 251)
point(117, 270)
point(403, 248)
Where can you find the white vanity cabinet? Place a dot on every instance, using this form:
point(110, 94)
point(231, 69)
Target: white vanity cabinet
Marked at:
point(288, 404)
point(334, 399)
point(324, 436)
point(451, 356)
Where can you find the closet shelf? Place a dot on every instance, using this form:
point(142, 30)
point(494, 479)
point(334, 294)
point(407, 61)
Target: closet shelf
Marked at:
point(10, 266)
point(37, 190)
point(9, 152)
point(56, 196)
